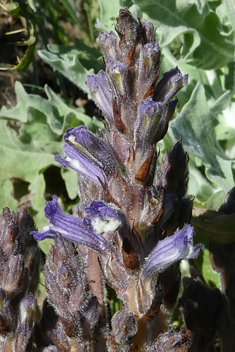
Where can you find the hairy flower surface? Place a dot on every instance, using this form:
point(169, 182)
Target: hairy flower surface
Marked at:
point(178, 246)
point(69, 227)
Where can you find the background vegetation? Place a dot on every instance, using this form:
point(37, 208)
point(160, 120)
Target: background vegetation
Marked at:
point(47, 49)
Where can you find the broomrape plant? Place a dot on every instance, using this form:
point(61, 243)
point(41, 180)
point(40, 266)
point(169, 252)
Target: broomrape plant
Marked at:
point(129, 232)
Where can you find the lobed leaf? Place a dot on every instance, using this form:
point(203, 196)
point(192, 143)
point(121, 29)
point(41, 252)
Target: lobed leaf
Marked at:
point(69, 66)
point(204, 43)
point(196, 127)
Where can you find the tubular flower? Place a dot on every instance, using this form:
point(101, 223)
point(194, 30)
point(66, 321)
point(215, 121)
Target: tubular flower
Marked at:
point(178, 246)
point(69, 227)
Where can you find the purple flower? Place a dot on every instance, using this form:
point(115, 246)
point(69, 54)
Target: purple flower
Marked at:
point(87, 154)
point(69, 227)
point(106, 218)
point(101, 93)
point(150, 115)
point(91, 146)
point(109, 45)
point(171, 249)
point(118, 73)
point(148, 69)
point(81, 164)
point(171, 82)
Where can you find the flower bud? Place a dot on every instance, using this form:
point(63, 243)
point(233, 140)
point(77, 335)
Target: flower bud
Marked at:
point(124, 327)
point(173, 172)
point(171, 82)
point(69, 227)
point(101, 93)
point(109, 45)
point(24, 330)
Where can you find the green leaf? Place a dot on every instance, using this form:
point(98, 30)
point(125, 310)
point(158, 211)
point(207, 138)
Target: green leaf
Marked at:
point(203, 40)
point(72, 116)
point(89, 57)
point(30, 106)
point(215, 201)
point(215, 226)
point(196, 127)
point(69, 66)
point(53, 112)
point(6, 199)
point(109, 10)
point(203, 263)
point(19, 159)
point(198, 185)
point(227, 10)
point(12, 8)
point(71, 181)
point(78, 48)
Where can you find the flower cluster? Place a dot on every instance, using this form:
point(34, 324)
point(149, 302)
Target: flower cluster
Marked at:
point(131, 229)
point(19, 273)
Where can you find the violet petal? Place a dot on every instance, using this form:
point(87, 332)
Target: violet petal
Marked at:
point(70, 227)
point(92, 147)
point(81, 164)
point(97, 209)
point(171, 82)
point(149, 115)
point(101, 93)
point(171, 249)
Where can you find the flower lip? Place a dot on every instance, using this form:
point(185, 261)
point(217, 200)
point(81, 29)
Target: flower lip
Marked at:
point(104, 217)
point(101, 209)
